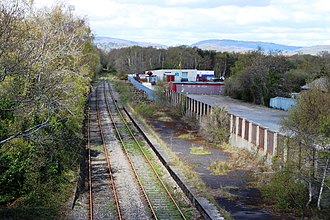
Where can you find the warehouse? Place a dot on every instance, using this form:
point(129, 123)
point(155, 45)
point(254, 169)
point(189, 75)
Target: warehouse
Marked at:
point(181, 75)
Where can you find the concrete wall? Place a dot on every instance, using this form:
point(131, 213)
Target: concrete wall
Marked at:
point(252, 136)
point(244, 133)
point(149, 92)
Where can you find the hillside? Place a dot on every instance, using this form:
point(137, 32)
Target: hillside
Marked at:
point(243, 46)
point(109, 43)
point(313, 50)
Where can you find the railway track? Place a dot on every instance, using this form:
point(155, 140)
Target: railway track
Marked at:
point(100, 179)
point(113, 192)
point(157, 193)
point(125, 179)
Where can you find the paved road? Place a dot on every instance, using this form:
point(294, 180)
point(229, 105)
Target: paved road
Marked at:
point(266, 117)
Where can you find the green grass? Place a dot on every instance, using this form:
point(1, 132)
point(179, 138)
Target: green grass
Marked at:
point(97, 148)
point(223, 192)
point(220, 167)
point(187, 136)
point(199, 150)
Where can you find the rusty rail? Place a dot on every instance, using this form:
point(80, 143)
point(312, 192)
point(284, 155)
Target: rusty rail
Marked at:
point(140, 148)
point(111, 179)
point(129, 159)
point(89, 167)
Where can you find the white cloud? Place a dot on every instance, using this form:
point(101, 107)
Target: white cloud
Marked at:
point(295, 22)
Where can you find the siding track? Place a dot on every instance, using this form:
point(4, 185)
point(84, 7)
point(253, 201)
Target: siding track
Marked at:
point(125, 180)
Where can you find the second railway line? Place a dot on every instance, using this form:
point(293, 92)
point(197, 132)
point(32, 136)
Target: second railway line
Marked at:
point(141, 184)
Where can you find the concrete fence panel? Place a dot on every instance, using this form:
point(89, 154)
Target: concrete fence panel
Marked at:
point(261, 138)
point(270, 142)
point(247, 130)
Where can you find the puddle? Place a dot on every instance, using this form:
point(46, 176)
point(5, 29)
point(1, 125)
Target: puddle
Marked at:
point(245, 205)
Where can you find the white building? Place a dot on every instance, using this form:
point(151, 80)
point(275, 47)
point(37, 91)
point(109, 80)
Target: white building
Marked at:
point(181, 75)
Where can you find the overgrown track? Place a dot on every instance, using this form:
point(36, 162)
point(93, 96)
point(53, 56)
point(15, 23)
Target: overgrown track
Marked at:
point(113, 190)
point(126, 181)
point(161, 202)
point(100, 174)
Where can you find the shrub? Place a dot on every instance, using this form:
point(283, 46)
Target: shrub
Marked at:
point(123, 89)
point(216, 126)
point(286, 191)
point(145, 109)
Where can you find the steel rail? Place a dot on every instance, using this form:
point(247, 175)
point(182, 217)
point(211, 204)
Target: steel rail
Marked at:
point(144, 155)
point(89, 166)
point(129, 159)
point(112, 182)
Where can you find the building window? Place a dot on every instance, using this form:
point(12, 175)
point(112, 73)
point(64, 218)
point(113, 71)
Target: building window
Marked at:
point(184, 77)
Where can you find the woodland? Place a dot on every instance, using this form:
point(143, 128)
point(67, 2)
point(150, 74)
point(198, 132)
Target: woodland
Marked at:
point(47, 62)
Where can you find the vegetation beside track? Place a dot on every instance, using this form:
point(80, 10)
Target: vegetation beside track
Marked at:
point(47, 62)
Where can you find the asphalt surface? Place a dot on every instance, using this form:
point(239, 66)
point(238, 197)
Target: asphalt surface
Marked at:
point(265, 117)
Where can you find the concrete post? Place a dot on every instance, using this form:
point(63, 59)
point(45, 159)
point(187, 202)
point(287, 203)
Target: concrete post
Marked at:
point(265, 140)
point(243, 128)
point(275, 143)
point(250, 132)
point(257, 136)
point(237, 124)
point(231, 123)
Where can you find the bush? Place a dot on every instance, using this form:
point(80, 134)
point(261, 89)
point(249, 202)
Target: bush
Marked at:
point(145, 109)
point(216, 126)
point(123, 89)
point(286, 191)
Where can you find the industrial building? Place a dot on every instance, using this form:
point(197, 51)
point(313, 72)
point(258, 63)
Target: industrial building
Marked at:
point(181, 75)
point(187, 81)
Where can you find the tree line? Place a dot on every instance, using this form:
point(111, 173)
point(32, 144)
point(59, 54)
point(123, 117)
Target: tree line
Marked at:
point(254, 76)
point(47, 61)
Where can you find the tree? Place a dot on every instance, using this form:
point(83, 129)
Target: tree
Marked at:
point(257, 77)
point(47, 62)
point(308, 126)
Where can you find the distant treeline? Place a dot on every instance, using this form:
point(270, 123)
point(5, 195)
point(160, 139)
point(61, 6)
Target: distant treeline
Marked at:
point(253, 76)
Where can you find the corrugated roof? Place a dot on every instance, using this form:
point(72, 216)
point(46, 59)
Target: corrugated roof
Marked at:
point(321, 84)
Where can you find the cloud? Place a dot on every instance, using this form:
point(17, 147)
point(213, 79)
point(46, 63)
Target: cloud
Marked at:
point(296, 22)
point(196, 3)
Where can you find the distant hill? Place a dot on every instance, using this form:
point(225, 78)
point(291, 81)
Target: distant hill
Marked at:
point(243, 46)
point(109, 43)
point(313, 50)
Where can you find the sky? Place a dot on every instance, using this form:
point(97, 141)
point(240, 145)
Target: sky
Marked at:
point(184, 22)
